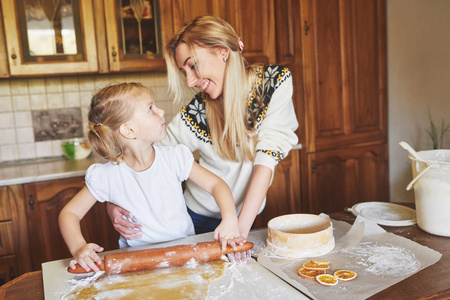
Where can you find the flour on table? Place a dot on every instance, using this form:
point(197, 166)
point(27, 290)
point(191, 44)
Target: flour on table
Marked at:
point(384, 260)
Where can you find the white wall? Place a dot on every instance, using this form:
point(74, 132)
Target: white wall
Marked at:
point(418, 76)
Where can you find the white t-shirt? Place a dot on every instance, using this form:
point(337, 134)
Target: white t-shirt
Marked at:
point(154, 196)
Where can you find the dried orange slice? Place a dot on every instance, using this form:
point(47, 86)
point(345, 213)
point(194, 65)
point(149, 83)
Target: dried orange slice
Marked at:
point(345, 275)
point(309, 274)
point(313, 266)
point(320, 261)
point(327, 279)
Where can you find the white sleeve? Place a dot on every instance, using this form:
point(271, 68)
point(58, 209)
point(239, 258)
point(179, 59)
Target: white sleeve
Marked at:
point(97, 182)
point(184, 160)
point(276, 133)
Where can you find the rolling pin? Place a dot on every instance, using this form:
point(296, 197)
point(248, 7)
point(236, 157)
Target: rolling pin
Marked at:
point(156, 258)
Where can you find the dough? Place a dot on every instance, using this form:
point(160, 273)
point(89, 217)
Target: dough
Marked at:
point(183, 282)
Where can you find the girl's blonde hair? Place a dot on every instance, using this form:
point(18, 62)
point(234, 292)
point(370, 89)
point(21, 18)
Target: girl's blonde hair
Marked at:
point(110, 107)
point(231, 134)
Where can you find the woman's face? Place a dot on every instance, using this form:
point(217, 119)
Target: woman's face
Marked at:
point(209, 63)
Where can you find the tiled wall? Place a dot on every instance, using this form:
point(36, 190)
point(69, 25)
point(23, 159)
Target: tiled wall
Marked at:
point(19, 97)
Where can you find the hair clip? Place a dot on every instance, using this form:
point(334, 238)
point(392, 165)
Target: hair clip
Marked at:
point(98, 124)
point(241, 44)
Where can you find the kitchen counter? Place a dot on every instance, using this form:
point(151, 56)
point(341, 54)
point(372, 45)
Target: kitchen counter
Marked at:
point(430, 283)
point(43, 169)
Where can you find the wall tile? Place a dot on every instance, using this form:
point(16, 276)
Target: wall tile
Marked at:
point(86, 83)
point(36, 85)
point(53, 85)
point(8, 136)
point(70, 84)
point(55, 100)
point(5, 89)
point(9, 152)
point(44, 149)
point(21, 102)
point(72, 99)
point(38, 102)
point(23, 119)
point(27, 151)
point(5, 103)
point(6, 120)
point(25, 135)
point(19, 87)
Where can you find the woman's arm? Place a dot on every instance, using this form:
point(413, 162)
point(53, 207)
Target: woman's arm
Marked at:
point(69, 224)
point(228, 229)
point(127, 229)
point(257, 190)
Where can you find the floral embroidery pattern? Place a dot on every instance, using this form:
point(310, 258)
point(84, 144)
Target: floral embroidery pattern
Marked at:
point(268, 79)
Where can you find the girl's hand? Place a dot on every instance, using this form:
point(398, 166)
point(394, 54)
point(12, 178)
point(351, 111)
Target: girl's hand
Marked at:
point(228, 233)
point(118, 216)
point(87, 257)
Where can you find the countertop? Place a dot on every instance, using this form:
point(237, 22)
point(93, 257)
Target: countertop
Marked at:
point(27, 171)
point(42, 169)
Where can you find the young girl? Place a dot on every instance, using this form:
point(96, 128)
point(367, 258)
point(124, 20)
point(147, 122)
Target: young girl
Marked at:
point(145, 179)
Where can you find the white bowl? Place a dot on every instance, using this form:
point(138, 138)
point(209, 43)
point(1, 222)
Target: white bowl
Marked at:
point(75, 148)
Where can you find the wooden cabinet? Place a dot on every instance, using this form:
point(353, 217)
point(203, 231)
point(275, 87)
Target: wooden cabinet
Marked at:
point(104, 36)
point(135, 44)
point(44, 201)
point(345, 103)
point(14, 246)
point(253, 21)
point(49, 39)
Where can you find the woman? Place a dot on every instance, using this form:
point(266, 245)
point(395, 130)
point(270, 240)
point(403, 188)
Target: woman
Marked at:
point(241, 120)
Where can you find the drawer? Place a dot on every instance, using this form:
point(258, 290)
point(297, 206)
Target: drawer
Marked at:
point(6, 238)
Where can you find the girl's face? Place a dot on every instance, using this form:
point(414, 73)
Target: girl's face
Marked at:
point(209, 63)
point(148, 120)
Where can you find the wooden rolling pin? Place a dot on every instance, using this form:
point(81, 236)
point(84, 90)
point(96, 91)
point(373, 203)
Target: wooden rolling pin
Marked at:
point(156, 258)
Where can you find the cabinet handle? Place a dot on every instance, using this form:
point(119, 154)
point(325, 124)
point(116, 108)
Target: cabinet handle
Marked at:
point(307, 27)
point(114, 54)
point(31, 202)
point(313, 167)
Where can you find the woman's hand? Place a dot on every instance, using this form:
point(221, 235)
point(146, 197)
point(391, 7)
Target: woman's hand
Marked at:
point(227, 233)
point(127, 229)
point(87, 257)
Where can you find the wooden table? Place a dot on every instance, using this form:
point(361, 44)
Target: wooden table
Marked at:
point(430, 283)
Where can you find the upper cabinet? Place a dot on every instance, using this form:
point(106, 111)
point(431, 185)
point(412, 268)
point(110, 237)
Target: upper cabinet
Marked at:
point(49, 37)
point(136, 32)
point(52, 37)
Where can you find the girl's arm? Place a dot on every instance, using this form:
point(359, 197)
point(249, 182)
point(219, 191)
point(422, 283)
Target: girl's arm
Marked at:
point(69, 224)
point(257, 190)
point(228, 229)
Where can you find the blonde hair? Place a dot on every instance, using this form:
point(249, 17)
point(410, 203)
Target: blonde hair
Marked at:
point(232, 136)
point(110, 107)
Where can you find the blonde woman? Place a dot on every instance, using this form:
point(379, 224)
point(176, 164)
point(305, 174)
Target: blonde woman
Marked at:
point(144, 179)
point(241, 120)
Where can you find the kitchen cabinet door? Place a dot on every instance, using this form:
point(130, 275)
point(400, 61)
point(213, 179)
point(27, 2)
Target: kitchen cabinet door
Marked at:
point(44, 201)
point(343, 177)
point(345, 103)
point(49, 37)
point(136, 32)
point(253, 21)
point(14, 246)
point(344, 47)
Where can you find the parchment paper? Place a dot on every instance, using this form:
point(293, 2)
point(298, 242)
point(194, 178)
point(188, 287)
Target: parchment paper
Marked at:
point(381, 259)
